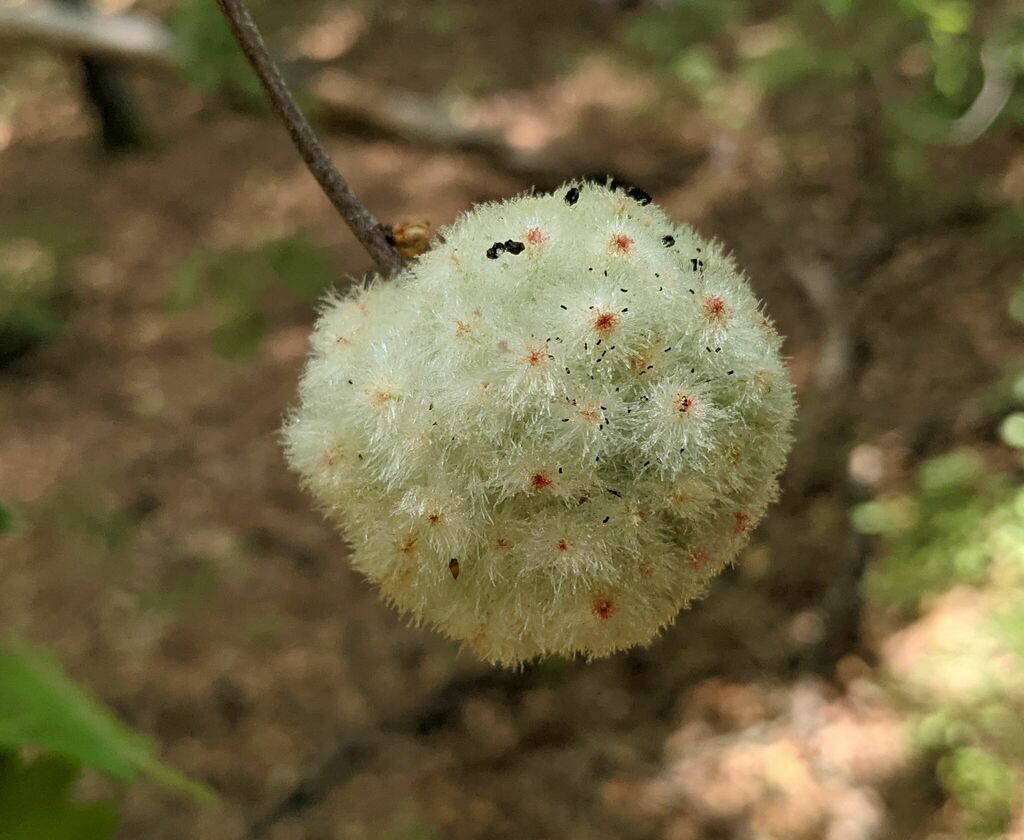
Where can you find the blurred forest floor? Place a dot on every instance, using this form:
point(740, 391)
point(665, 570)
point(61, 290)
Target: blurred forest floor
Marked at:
point(170, 560)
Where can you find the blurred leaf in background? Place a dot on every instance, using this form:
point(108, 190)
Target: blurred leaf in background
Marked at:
point(36, 802)
point(984, 786)
point(920, 60)
point(37, 248)
point(1017, 302)
point(954, 555)
point(1011, 430)
point(28, 279)
point(88, 526)
point(938, 535)
point(41, 708)
point(6, 519)
point(210, 56)
point(242, 285)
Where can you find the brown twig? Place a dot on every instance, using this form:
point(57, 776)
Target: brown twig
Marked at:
point(359, 219)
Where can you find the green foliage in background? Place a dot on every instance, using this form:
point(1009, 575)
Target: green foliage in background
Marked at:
point(1017, 304)
point(939, 535)
point(954, 557)
point(410, 826)
point(66, 730)
point(209, 55)
point(966, 686)
point(37, 803)
point(962, 524)
point(36, 251)
point(28, 314)
point(241, 283)
point(41, 707)
point(90, 528)
point(954, 552)
point(6, 519)
point(919, 62)
point(983, 785)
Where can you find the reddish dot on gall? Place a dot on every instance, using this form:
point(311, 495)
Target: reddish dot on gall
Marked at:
point(622, 243)
point(535, 358)
point(714, 306)
point(541, 481)
point(606, 322)
point(550, 345)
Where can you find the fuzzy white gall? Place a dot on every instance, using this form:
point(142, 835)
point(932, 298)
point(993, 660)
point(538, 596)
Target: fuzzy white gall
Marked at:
point(550, 432)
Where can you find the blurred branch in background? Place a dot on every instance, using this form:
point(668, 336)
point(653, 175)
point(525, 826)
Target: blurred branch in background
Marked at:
point(69, 23)
point(353, 750)
point(362, 223)
point(130, 37)
point(836, 368)
point(402, 114)
point(991, 99)
point(339, 98)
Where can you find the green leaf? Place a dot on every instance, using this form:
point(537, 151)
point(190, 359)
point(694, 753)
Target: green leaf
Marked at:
point(951, 474)
point(210, 56)
point(41, 707)
point(303, 266)
point(240, 336)
point(186, 290)
point(6, 520)
point(838, 9)
point(984, 786)
point(1016, 307)
point(36, 803)
point(1012, 430)
point(884, 516)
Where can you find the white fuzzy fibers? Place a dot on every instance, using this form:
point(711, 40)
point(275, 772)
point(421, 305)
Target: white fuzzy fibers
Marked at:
point(551, 445)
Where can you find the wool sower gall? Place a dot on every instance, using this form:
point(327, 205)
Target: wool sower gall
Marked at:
point(591, 420)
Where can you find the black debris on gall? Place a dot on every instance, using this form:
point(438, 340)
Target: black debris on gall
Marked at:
point(639, 196)
point(496, 250)
point(668, 241)
point(513, 247)
point(572, 196)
